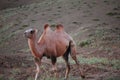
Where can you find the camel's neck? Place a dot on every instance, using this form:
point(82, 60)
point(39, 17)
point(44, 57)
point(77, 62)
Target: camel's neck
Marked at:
point(34, 47)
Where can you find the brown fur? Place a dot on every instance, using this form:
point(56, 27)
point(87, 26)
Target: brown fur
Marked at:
point(59, 27)
point(46, 26)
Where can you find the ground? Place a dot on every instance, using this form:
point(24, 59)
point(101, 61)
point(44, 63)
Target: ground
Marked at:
point(94, 25)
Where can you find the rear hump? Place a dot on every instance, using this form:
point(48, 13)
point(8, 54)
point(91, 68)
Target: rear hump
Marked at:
point(59, 27)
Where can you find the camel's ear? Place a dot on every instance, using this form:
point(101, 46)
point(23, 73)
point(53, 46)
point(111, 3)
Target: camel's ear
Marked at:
point(59, 27)
point(46, 26)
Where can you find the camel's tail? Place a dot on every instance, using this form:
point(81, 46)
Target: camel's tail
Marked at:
point(72, 48)
point(68, 51)
point(69, 47)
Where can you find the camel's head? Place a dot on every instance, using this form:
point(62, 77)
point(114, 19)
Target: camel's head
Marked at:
point(29, 33)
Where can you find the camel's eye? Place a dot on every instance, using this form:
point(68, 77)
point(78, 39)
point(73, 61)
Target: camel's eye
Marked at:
point(32, 31)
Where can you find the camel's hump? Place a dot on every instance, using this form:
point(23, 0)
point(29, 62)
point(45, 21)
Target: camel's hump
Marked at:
point(59, 27)
point(46, 26)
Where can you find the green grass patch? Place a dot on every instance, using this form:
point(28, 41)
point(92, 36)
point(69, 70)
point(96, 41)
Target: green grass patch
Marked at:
point(25, 50)
point(113, 13)
point(53, 25)
point(80, 31)
point(6, 37)
point(1, 77)
point(99, 33)
point(84, 43)
point(115, 64)
point(116, 8)
point(92, 60)
point(3, 39)
point(15, 71)
point(30, 78)
point(118, 17)
point(49, 78)
point(24, 26)
point(83, 60)
point(96, 20)
point(5, 28)
point(50, 20)
point(33, 21)
point(105, 1)
point(75, 22)
point(11, 78)
point(114, 78)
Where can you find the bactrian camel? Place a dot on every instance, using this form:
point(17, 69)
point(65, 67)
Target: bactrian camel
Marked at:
point(52, 44)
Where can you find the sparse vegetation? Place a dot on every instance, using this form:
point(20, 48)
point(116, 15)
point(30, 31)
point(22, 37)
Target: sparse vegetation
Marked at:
point(24, 26)
point(15, 71)
point(50, 20)
point(75, 22)
point(115, 64)
point(85, 43)
point(11, 78)
point(96, 20)
point(1, 77)
point(81, 20)
point(30, 78)
point(113, 13)
point(113, 78)
point(53, 25)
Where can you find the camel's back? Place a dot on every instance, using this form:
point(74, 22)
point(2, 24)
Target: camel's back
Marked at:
point(62, 40)
point(62, 35)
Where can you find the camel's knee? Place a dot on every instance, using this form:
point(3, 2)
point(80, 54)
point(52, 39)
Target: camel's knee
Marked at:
point(75, 59)
point(73, 56)
point(37, 67)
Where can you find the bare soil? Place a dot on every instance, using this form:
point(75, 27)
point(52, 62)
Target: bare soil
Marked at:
point(94, 25)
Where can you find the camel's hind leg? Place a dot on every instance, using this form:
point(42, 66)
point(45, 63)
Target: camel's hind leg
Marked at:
point(65, 57)
point(73, 55)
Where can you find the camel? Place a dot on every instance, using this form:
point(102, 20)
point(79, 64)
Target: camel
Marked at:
point(52, 44)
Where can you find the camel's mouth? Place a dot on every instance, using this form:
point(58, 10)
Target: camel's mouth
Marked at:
point(29, 33)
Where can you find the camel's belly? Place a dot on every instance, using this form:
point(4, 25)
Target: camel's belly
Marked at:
point(57, 50)
point(61, 48)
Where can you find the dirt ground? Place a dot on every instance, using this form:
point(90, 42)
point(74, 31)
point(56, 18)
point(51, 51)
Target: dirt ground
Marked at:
point(94, 25)
point(21, 67)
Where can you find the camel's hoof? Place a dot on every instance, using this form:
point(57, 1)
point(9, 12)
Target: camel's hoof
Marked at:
point(65, 79)
point(53, 70)
point(83, 76)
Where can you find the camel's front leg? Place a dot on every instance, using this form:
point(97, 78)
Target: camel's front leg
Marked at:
point(54, 68)
point(37, 63)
